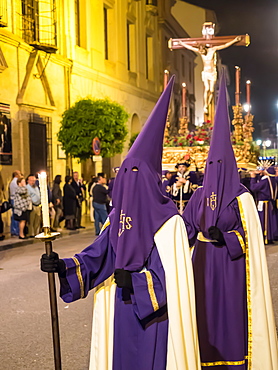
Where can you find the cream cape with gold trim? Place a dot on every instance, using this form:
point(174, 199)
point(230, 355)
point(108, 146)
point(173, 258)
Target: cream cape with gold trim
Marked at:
point(262, 340)
point(183, 349)
point(173, 248)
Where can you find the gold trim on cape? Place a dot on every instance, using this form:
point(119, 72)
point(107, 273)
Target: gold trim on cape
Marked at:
point(79, 276)
point(223, 363)
point(105, 225)
point(265, 221)
point(248, 285)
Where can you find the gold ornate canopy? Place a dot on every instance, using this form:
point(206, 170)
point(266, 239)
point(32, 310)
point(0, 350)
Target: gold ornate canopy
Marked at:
point(246, 157)
point(246, 153)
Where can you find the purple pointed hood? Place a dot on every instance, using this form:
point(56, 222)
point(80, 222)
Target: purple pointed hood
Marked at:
point(139, 205)
point(221, 180)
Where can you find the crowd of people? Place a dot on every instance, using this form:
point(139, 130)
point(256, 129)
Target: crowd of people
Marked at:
point(65, 203)
point(25, 199)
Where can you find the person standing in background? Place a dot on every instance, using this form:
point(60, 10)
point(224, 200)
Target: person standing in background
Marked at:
point(2, 198)
point(22, 206)
point(12, 188)
point(35, 215)
point(69, 204)
point(183, 184)
point(265, 190)
point(57, 200)
point(91, 185)
point(78, 187)
point(100, 201)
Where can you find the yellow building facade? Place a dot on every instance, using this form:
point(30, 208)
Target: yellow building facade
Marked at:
point(55, 52)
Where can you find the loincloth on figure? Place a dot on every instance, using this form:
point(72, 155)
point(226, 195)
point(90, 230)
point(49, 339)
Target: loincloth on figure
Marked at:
point(209, 76)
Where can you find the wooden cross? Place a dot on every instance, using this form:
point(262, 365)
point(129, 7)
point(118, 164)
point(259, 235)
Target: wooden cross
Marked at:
point(207, 46)
point(216, 41)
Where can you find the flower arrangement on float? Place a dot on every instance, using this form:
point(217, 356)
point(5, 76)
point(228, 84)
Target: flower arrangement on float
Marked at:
point(199, 137)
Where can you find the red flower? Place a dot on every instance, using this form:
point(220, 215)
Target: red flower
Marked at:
point(180, 144)
point(208, 121)
point(189, 136)
point(196, 138)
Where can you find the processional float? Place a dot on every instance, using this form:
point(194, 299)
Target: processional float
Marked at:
point(195, 143)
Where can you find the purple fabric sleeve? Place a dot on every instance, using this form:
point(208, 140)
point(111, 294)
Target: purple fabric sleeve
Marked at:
point(190, 215)
point(261, 188)
point(149, 288)
point(235, 242)
point(88, 269)
point(256, 185)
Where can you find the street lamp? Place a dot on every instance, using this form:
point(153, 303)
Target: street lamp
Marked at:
point(265, 144)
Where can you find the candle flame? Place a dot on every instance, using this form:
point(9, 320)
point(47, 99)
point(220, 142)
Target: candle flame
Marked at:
point(248, 82)
point(183, 84)
point(43, 174)
point(166, 71)
point(237, 67)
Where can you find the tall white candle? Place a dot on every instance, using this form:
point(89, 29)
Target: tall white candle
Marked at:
point(44, 199)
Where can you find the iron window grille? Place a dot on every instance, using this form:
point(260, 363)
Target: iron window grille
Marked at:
point(3, 13)
point(38, 24)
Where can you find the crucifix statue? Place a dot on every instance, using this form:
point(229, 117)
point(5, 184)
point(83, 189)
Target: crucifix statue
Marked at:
point(207, 48)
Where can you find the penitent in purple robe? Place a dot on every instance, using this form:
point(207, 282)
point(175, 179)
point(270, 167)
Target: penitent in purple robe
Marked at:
point(265, 191)
point(220, 286)
point(127, 242)
point(139, 317)
point(140, 334)
point(219, 270)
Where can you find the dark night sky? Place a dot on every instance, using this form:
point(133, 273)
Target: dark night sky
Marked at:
point(259, 61)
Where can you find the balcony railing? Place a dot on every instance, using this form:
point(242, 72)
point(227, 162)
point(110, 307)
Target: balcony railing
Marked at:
point(38, 24)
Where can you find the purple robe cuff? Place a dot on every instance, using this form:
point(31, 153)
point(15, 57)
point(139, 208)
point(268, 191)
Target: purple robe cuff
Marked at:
point(72, 288)
point(88, 269)
point(235, 242)
point(149, 294)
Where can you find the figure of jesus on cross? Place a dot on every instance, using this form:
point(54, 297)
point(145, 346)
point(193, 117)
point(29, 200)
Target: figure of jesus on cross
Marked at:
point(207, 48)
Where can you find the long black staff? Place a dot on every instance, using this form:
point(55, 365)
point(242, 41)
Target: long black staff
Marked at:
point(47, 238)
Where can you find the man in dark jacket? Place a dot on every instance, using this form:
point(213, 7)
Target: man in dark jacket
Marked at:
point(99, 201)
point(78, 186)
